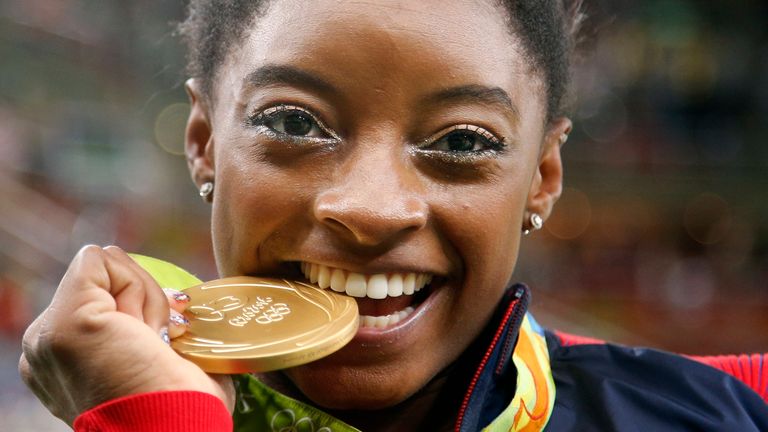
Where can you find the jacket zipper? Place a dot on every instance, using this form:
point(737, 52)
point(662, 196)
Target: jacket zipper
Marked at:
point(511, 309)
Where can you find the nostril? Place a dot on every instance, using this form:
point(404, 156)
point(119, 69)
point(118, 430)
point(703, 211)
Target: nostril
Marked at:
point(334, 224)
point(371, 219)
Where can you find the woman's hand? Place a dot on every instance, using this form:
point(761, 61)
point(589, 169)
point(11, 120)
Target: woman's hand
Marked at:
point(101, 338)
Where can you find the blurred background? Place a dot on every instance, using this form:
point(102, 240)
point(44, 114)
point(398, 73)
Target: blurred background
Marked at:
point(660, 238)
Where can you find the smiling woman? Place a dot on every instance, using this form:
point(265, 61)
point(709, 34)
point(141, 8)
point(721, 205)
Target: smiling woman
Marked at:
point(380, 153)
point(394, 152)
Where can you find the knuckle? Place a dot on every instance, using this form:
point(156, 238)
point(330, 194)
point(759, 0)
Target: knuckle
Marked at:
point(30, 344)
point(90, 250)
point(88, 265)
point(85, 258)
point(24, 369)
point(30, 335)
point(114, 249)
point(87, 322)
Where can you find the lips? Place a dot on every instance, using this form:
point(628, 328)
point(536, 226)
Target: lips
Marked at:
point(384, 299)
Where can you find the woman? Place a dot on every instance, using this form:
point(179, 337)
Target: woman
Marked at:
point(375, 140)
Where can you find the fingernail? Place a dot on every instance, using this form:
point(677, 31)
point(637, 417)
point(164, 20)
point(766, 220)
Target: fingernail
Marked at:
point(178, 319)
point(164, 335)
point(177, 295)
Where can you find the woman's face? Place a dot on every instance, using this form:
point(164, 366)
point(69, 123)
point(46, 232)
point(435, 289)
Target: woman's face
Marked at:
point(387, 145)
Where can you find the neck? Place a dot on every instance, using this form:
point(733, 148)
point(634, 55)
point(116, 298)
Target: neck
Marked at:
point(433, 408)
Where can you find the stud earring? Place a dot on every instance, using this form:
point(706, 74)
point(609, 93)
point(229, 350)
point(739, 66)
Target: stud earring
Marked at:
point(206, 190)
point(536, 223)
point(563, 138)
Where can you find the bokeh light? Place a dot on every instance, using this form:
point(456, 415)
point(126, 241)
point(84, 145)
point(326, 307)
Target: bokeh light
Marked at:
point(571, 216)
point(169, 128)
point(707, 218)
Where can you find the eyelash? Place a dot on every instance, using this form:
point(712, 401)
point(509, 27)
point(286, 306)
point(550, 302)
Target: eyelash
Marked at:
point(262, 119)
point(491, 145)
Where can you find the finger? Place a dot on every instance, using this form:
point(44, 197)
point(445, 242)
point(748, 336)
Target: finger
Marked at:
point(177, 324)
point(176, 299)
point(95, 278)
point(154, 304)
point(86, 280)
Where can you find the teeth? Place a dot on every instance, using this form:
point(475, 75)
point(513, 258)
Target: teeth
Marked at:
point(367, 321)
point(395, 286)
point(377, 286)
point(324, 277)
point(382, 321)
point(313, 270)
point(338, 280)
point(409, 284)
point(421, 281)
point(356, 286)
point(394, 319)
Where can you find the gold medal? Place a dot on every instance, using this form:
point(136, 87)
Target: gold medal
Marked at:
point(247, 324)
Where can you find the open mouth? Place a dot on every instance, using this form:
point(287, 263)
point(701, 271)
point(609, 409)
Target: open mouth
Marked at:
point(383, 299)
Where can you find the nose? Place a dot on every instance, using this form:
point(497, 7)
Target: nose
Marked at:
point(372, 200)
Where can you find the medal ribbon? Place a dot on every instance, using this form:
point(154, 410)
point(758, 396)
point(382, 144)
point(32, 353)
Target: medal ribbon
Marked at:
point(534, 399)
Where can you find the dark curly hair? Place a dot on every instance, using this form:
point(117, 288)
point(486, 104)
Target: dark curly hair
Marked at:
point(547, 28)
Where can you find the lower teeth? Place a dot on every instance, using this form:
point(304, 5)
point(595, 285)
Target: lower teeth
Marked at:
point(367, 321)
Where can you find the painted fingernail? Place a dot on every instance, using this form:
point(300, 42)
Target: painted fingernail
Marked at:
point(164, 335)
point(178, 319)
point(177, 295)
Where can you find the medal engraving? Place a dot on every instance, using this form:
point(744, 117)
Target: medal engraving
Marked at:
point(247, 324)
point(261, 312)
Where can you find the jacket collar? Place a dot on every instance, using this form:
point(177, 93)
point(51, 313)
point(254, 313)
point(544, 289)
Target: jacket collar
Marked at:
point(512, 388)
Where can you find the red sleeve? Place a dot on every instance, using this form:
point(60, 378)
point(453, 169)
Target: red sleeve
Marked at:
point(187, 411)
point(752, 369)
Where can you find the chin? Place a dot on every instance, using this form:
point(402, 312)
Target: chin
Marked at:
point(352, 388)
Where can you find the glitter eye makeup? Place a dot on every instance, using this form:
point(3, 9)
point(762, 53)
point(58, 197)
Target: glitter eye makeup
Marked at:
point(291, 122)
point(463, 142)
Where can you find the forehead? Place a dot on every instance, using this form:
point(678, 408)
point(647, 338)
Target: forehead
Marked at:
point(398, 47)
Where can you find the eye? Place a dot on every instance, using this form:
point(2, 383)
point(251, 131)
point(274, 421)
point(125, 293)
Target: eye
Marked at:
point(291, 121)
point(463, 139)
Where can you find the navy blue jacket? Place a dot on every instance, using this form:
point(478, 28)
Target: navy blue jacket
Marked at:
point(607, 387)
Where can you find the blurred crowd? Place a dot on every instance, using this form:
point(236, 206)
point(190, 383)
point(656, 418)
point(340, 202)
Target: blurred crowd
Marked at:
point(662, 230)
point(661, 236)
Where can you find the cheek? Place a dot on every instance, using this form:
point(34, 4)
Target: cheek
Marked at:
point(486, 229)
point(485, 222)
point(253, 201)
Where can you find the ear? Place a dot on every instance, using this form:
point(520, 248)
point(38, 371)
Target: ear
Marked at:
point(198, 136)
point(548, 179)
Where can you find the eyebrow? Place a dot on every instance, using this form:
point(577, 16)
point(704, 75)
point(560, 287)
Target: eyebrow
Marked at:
point(268, 75)
point(280, 74)
point(476, 93)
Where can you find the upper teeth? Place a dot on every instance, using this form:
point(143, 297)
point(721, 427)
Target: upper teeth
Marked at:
point(377, 286)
